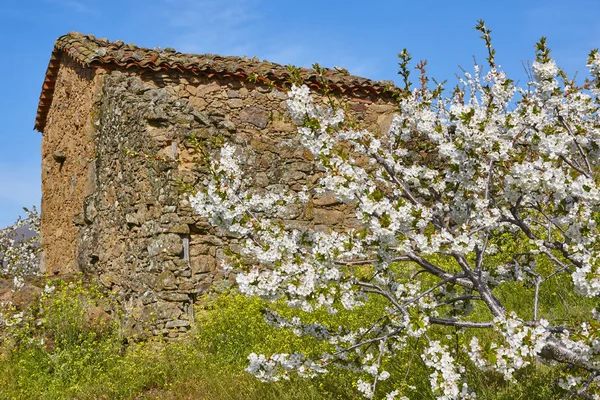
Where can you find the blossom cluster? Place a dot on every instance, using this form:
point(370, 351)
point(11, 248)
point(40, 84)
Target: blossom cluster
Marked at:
point(278, 366)
point(521, 345)
point(446, 379)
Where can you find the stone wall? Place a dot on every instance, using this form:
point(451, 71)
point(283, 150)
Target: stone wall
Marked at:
point(137, 232)
point(67, 165)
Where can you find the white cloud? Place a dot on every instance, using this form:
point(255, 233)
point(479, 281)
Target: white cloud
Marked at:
point(204, 26)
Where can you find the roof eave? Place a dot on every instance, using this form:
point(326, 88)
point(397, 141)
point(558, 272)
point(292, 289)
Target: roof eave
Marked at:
point(86, 51)
point(47, 90)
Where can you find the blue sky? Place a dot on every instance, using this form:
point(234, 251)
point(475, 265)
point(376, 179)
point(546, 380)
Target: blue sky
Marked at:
point(362, 36)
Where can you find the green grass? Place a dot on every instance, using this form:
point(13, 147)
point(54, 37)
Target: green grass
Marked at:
point(57, 352)
point(60, 351)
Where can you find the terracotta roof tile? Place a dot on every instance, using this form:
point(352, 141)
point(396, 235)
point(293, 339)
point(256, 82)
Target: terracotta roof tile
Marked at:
point(89, 51)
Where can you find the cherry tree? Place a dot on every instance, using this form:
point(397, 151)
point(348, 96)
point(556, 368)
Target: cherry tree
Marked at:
point(19, 247)
point(463, 196)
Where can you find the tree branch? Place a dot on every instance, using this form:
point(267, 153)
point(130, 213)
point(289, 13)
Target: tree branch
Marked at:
point(460, 324)
point(440, 273)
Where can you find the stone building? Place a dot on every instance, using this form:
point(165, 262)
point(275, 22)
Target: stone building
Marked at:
point(116, 121)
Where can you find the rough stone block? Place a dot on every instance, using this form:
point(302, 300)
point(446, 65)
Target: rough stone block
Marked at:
point(282, 126)
point(328, 217)
point(184, 273)
point(291, 211)
point(227, 124)
point(255, 116)
point(173, 296)
point(292, 176)
point(325, 199)
point(235, 103)
point(133, 219)
point(177, 323)
point(202, 264)
point(187, 287)
point(90, 211)
point(169, 244)
point(183, 229)
point(261, 179)
point(203, 90)
point(167, 310)
point(166, 281)
point(198, 103)
point(109, 279)
point(197, 249)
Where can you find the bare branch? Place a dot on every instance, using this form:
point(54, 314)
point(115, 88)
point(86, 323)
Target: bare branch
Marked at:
point(460, 324)
point(378, 364)
point(395, 179)
point(373, 288)
point(440, 273)
point(370, 261)
point(574, 165)
point(487, 296)
point(459, 298)
point(538, 281)
point(425, 293)
point(489, 178)
point(479, 256)
point(558, 351)
point(539, 209)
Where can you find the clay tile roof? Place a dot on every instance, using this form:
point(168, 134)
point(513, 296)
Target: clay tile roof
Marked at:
point(89, 51)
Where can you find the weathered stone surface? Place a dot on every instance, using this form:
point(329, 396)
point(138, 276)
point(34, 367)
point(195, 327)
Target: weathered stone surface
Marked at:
point(67, 148)
point(197, 249)
point(328, 217)
point(279, 95)
point(173, 296)
point(202, 118)
point(109, 279)
point(179, 228)
point(202, 264)
point(78, 219)
point(261, 179)
point(177, 323)
point(167, 310)
point(227, 124)
point(255, 116)
point(115, 199)
point(96, 318)
point(204, 90)
point(235, 103)
point(198, 103)
point(134, 219)
point(291, 211)
point(282, 126)
point(90, 212)
point(169, 244)
point(325, 199)
point(166, 281)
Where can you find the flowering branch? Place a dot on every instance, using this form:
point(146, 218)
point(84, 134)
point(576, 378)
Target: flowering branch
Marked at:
point(503, 178)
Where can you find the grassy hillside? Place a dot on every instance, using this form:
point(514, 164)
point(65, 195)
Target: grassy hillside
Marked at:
point(67, 347)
